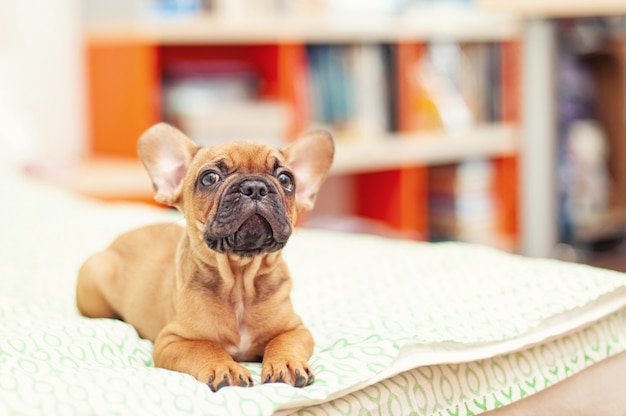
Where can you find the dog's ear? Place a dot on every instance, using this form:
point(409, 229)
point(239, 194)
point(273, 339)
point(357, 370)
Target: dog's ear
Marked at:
point(310, 157)
point(166, 152)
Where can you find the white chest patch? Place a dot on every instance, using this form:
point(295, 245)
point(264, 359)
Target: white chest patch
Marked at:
point(245, 341)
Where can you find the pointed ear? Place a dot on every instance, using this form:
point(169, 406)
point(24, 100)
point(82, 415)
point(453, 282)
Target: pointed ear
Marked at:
point(166, 152)
point(310, 157)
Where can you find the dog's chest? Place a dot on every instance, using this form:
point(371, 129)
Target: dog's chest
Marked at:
point(241, 293)
point(242, 348)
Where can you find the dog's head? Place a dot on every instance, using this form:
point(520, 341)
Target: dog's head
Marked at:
point(237, 197)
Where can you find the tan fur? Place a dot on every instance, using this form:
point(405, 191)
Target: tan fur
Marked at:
point(207, 308)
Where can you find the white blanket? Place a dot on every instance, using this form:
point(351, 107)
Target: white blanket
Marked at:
point(444, 327)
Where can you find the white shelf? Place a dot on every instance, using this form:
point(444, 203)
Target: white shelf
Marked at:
point(103, 177)
point(556, 8)
point(118, 178)
point(429, 148)
point(429, 24)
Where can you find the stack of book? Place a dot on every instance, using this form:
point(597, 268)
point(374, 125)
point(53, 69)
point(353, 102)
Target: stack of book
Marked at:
point(215, 101)
point(351, 89)
point(460, 202)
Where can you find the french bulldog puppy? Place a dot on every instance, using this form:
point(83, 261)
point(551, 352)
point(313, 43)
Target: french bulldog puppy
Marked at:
point(218, 290)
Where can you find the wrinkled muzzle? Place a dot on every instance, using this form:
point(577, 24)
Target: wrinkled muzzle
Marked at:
point(250, 219)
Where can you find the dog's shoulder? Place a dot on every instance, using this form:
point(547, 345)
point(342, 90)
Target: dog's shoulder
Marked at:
point(149, 236)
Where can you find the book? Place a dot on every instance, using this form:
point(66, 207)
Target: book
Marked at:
point(349, 89)
point(460, 202)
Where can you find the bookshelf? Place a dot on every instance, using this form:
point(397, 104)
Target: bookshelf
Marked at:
point(128, 62)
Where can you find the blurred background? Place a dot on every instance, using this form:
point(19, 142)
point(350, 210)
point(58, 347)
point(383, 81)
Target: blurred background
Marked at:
point(492, 122)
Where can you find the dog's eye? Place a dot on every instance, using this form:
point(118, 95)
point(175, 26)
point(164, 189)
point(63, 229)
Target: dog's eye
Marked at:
point(209, 178)
point(286, 181)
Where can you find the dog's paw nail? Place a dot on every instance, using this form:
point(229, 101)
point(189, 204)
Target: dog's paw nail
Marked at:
point(210, 382)
point(300, 379)
point(223, 383)
point(281, 377)
point(243, 382)
point(267, 379)
point(250, 382)
point(311, 379)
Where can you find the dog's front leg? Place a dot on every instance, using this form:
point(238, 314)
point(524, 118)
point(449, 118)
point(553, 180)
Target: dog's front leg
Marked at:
point(205, 360)
point(286, 358)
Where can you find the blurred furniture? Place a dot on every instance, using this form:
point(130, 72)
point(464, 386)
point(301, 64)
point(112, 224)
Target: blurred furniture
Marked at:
point(538, 166)
point(387, 170)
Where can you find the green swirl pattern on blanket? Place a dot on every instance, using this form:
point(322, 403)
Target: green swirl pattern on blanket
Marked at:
point(447, 295)
point(470, 388)
point(452, 328)
point(71, 371)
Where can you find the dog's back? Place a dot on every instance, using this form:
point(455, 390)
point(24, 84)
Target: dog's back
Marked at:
point(147, 254)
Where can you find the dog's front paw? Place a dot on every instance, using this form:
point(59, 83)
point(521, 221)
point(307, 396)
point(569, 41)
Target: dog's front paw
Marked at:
point(290, 371)
point(228, 374)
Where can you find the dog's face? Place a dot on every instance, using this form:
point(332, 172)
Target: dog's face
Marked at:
point(237, 197)
point(245, 197)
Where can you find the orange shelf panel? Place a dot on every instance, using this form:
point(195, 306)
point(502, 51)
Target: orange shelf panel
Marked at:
point(292, 80)
point(505, 189)
point(393, 197)
point(511, 81)
point(396, 197)
point(123, 89)
point(506, 183)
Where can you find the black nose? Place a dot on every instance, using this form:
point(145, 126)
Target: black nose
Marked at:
point(253, 189)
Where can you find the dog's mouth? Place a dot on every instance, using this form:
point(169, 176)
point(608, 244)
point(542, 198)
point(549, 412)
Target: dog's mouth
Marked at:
point(254, 236)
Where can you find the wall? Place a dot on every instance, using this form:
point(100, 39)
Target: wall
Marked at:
point(41, 76)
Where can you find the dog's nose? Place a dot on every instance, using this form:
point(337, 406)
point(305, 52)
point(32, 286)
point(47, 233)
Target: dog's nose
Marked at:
point(253, 189)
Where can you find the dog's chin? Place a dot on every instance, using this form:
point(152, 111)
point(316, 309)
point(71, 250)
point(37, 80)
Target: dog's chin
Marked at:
point(253, 237)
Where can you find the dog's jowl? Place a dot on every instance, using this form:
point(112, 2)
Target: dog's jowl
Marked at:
point(216, 291)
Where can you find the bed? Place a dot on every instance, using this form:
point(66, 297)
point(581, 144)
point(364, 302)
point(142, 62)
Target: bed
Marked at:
point(400, 327)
